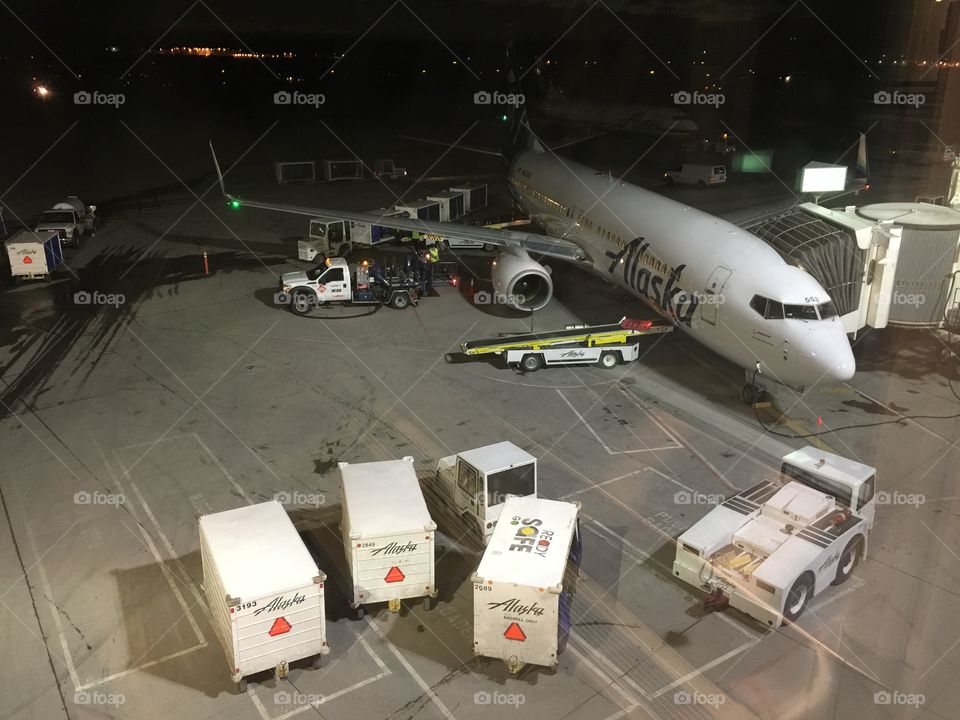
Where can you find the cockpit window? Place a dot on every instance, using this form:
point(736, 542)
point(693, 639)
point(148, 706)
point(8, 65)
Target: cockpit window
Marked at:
point(774, 310)
point(769, 309)
point(800, 312)
point(827, 310)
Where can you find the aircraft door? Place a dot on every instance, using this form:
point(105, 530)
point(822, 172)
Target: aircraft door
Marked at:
point(713, 294)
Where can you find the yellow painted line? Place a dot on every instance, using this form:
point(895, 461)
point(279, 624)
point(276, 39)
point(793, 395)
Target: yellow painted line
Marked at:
point(799, 429)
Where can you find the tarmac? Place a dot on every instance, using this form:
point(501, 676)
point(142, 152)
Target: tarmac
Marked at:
point(196, 393)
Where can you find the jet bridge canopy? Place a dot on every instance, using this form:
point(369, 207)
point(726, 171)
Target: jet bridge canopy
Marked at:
point(826, 251)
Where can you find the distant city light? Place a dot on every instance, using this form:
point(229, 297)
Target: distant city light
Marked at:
point(225, 52)
point(42, 90)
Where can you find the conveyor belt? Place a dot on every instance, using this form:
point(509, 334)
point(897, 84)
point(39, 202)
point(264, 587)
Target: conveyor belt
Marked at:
point(533, 338)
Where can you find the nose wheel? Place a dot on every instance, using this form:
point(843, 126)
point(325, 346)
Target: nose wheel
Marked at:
point(755, 396)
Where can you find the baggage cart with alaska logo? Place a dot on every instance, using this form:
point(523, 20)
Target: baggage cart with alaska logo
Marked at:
point(265, 592)
point(523, 589)
point(388, 534)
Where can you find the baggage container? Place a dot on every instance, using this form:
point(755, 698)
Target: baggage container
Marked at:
point(34, 254)
point(420, 210)
point(523, 589)
point(474, 196)
point(265, 592)
point(451, 205)
point(388, 534)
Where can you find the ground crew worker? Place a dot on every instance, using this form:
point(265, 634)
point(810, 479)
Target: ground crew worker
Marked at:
point(423, 274)
point(435, 253)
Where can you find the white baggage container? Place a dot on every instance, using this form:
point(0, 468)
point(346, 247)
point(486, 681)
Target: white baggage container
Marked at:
point(265, 592)
point(34, 254)
point(451, 205)
point(388, 534)
point(287, 172)
point(524, 585)
point(474, 196)
point(421, 210)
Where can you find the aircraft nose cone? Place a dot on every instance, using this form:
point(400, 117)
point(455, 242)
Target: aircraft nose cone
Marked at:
point(841, 363)
point(843, 371)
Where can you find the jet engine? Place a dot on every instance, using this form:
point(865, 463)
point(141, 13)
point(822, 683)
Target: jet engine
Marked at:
point(520, 281)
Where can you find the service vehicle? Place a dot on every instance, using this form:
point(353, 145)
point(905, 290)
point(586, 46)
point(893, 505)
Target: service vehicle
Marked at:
point(34, 254)
point(524, 586)
point(388, 534)
point(771, 548)
point(333, 237)
point(334, 281)
point(473, 485)
point(265, 593)
point(602, 345)
point(702, 176)
point(71, 219)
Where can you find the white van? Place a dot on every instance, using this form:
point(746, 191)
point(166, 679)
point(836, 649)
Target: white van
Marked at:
point(699, 175)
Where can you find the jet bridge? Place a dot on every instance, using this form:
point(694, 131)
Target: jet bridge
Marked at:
point(890, 263)
point(827, 250)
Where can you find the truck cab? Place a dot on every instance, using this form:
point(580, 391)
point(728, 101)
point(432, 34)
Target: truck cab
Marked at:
point(477, 482)
point(71, 219)
point(852, 484)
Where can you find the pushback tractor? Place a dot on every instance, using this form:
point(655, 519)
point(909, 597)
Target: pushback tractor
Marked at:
point(767, 551)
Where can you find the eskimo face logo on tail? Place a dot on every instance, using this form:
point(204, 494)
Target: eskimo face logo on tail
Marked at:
point(665, 292)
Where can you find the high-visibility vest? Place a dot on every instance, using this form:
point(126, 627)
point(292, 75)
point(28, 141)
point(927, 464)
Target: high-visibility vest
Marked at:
point(434, 254)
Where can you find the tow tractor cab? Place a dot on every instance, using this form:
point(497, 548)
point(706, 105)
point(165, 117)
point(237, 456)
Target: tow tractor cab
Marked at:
point(335, 281)
point(476, 483)
point(769, 549)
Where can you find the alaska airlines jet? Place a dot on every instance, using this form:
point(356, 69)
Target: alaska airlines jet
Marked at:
point(722, 285)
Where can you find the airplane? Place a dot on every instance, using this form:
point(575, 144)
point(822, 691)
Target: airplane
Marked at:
point(722, 285)
point(629, 117)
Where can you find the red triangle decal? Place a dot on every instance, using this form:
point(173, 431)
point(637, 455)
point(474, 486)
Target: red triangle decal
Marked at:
point(514, 632)
point(27, 259)
point(394, 575)
point(280, 626)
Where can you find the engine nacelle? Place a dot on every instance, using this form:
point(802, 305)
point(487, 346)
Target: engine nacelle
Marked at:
point(520, 281)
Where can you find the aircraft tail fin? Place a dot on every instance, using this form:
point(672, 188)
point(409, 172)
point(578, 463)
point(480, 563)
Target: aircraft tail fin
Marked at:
point(522, 136)
point(862, 165)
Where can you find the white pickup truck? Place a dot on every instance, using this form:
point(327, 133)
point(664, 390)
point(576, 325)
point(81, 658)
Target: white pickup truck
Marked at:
point(335, 281)
point(769, 549)
point(71, 219)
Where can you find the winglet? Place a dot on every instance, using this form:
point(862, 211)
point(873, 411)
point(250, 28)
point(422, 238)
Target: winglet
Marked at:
point(216, 165)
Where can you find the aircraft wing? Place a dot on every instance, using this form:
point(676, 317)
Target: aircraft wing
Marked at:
point(532, 242)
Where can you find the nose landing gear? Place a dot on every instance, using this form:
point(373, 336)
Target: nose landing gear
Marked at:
point(755, 396)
